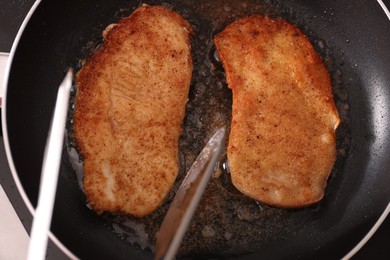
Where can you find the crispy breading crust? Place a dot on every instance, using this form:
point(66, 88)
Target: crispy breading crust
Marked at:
point(130, 106)
point(282, 143)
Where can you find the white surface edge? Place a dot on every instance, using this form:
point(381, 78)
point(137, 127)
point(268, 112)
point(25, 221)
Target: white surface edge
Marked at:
point(13, 236)
point(3, 63)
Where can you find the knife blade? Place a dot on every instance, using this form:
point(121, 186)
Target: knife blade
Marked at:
point(187, 198)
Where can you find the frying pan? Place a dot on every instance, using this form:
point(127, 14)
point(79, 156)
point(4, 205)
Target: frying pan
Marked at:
point(352, 38)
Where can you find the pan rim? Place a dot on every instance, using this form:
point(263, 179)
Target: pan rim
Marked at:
point(15, 176)
point(27, 201)
point(386, 212)
point(369, 234)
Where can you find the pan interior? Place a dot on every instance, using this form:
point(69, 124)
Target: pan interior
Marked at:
point(226, 221)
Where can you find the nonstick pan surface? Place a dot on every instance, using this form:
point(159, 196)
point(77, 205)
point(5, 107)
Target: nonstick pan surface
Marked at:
point(351, 37)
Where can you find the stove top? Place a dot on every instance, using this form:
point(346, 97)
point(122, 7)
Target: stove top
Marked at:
point(12, 14)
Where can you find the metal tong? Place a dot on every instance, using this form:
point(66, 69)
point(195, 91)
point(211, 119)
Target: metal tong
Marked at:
point(49, 174)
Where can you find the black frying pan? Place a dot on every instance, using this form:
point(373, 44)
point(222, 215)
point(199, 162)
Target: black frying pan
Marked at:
point(353, 39)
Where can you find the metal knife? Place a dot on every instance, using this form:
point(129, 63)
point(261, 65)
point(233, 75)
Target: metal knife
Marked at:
point(187, 198)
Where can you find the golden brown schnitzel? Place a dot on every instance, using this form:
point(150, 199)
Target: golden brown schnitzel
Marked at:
point(130, 106)
point(282, 143)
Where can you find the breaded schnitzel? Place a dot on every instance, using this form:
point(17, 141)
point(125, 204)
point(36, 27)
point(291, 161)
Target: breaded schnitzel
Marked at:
point(130, 105)
point(282, 142)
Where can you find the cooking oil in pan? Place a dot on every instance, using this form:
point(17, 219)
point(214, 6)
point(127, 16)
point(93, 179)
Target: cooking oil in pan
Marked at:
point(226, 223)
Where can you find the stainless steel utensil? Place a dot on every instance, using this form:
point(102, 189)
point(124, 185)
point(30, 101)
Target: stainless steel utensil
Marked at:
point(49, 175)
point(187, 198)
